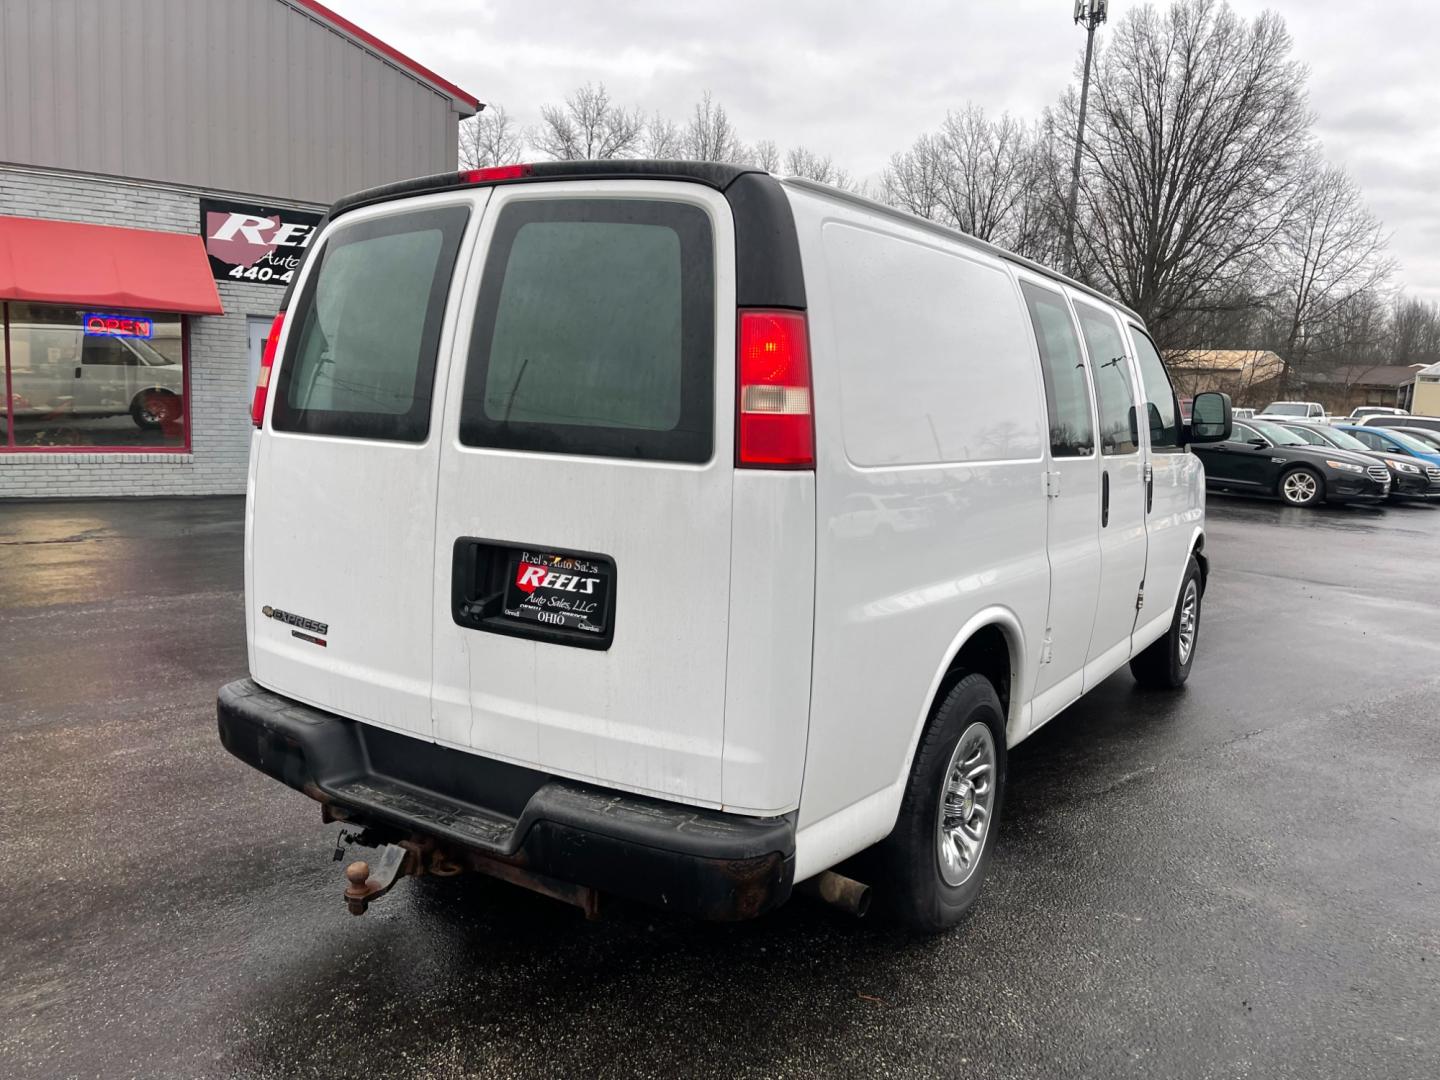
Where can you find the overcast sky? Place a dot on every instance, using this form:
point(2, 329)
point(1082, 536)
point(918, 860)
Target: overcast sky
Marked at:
point(859, 81)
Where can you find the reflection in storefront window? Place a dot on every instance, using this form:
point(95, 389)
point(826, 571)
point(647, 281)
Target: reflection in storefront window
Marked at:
point(80, 379)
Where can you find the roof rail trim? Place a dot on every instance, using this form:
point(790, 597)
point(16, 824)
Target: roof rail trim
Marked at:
point(954, 234)
point(711, 174)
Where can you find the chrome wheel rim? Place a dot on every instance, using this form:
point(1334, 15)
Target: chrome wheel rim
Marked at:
point(1189, 619)
point(967, 804)
point(1300, 487)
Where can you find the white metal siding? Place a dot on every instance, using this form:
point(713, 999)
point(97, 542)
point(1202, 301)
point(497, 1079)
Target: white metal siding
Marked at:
point(249, 96)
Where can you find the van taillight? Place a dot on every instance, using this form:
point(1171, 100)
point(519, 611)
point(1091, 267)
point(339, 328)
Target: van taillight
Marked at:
point(267, 361)
point(490, 174)
point(776, 429)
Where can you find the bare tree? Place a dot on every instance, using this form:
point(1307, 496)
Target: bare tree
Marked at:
point(588, 127)
point(989, 170)
point(709, 136)
point(766, 155)
point(1330, 267)
point(980, 175)
point(1414, 333)
point(489, 137)
point(800, 161)
point(912, 180)
point(663, 138)
point(1198, 123)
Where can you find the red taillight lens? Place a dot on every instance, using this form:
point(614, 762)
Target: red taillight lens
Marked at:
point(495, 172)
point(267, 361)
point(776, 428)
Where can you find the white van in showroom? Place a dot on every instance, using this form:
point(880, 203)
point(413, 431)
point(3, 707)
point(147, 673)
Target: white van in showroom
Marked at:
point(676, 532)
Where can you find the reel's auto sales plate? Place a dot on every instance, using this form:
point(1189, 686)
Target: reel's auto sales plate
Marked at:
point(555, 590)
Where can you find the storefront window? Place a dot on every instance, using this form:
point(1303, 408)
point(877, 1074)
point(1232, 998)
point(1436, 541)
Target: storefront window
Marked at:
point(93, 379)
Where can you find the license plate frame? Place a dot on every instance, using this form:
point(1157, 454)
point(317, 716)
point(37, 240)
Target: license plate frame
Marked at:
point(536, 591)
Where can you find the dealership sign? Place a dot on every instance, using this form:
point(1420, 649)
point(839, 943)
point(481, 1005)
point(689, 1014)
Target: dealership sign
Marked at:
point(255, 243)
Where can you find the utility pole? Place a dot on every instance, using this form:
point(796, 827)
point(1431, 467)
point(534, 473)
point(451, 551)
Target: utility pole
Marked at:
point(1090, 13)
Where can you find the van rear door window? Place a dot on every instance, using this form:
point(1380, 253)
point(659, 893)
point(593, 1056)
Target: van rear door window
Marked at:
point(595, 331)
point(360, 361)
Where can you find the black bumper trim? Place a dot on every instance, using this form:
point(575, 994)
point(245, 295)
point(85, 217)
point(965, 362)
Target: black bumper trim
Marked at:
point(699, 862)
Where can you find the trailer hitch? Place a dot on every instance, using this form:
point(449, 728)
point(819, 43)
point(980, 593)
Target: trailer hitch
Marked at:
point(421, 855)
point(362, 886)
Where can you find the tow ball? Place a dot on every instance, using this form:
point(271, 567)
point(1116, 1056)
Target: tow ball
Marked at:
point(409, 857)
point(362, 887)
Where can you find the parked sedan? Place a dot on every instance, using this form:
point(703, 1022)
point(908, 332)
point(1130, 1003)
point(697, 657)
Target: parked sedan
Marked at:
point(1429, 423)
point(1409, 479)
point(1391, 441)
point(1430, 438)
point(1266, 458)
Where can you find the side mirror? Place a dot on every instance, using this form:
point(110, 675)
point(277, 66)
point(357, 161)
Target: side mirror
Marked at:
point(1259, 444)
point(1210, 419)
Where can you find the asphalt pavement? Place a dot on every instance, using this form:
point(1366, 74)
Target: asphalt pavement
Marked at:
point(1238, 880)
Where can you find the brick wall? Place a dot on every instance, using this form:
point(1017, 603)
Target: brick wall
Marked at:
point(219, 351)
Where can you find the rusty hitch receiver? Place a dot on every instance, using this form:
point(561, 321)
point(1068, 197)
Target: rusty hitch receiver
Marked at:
point(420, 855)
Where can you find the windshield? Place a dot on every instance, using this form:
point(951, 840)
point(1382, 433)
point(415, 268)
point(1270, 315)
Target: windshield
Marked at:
point(1309, 434)
point(1287, 408)
point(1344, 440)
point(1423, 436)
point(148, 353)
point(1277, 434)
point(1414, 445)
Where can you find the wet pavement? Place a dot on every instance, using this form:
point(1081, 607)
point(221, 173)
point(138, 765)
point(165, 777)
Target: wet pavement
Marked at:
point(1240, 880)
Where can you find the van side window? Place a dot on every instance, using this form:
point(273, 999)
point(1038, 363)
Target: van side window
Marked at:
point(1159, 394)
point(360, 361)
point(1067, 392)
point(1114, 391)
point(595, 331)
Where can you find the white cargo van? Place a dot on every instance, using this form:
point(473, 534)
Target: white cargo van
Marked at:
point(674, 531)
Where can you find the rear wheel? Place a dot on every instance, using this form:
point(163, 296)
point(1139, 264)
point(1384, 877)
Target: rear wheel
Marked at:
point(934, 862)
point(152, 408)
point(1165, 664)
point(1302, 487)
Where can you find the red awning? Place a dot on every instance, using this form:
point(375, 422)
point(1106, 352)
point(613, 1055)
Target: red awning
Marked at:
point(64, 262)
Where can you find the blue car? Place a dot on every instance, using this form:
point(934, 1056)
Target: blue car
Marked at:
point(1394, 442)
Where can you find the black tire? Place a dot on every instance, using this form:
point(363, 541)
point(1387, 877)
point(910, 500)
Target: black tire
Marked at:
point(1165, 664)
point(146, 416)
point(911, 885)
point(1304, 496)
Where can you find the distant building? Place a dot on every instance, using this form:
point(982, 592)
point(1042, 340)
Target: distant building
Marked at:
point(162, 170)
point(1247, 375)
point(1343, 388)
point(1425, 400)
point(1252, 378)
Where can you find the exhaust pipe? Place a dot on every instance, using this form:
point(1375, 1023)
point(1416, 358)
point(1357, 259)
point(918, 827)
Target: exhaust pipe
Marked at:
point(838, 891)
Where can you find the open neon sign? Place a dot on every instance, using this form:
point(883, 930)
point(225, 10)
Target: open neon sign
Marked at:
point(132, 326)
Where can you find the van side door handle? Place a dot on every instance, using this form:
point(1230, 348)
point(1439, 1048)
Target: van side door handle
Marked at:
point(1149, 487)
point(1105, 499)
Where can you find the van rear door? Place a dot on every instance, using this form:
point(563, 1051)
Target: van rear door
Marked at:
point(582, 545)
point(342, 504)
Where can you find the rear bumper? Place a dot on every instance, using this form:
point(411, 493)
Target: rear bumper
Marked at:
point(699, 862)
